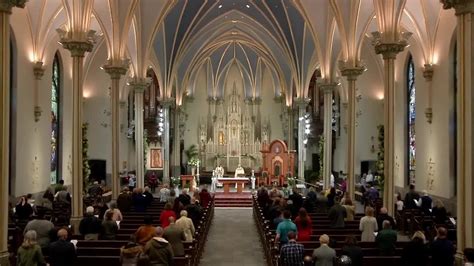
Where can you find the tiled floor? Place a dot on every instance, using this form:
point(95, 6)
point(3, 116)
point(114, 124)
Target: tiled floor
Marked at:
point(233, 240)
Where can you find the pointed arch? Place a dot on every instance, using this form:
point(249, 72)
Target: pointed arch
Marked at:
point(56, 107)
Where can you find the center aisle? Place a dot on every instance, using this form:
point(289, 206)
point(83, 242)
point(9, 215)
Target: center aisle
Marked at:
point(233, 240)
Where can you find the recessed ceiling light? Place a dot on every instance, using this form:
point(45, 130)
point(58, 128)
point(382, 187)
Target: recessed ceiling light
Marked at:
point(248, 6)
point(220, 6)
point(234, 21)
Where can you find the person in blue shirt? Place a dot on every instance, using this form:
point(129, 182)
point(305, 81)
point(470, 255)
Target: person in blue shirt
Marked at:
point(284, 227)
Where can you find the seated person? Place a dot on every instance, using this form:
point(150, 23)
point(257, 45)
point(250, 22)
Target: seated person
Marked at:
point(175, 236)
point(90, 225)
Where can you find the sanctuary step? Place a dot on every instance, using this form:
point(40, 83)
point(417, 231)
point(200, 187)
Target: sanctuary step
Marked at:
point(233, 200)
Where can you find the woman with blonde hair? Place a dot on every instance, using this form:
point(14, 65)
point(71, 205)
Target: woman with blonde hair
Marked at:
point(29, 253)
point(350, 209)
point(368, 225)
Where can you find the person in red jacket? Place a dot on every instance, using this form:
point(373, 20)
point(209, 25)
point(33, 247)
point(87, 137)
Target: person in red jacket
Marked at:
point(303, 223)
point(166, 214)
point(205, 197)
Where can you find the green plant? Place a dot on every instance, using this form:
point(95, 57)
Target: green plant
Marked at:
point(145, 150)
point(86, 170)
point(191, 152)
point(321, 156)
point(380, 157)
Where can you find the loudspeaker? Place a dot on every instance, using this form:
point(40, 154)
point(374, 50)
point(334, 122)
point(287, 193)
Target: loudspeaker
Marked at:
point(98, 170)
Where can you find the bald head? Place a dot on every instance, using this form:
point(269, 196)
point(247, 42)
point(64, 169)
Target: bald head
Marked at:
point(159, 231)
point(62, 234)
point(383, 210)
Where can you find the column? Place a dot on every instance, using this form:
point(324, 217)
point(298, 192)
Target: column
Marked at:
point(5, 11)
point(389, 52)
point(327, 89)
point(138, 86)
point(465, 183)
point(167, 105)
point(301, 106)
point(351, 73)
point(291, 139)
point(38, 71)
point(77, 49)
point(115, 73)
point(428, 75)
point(177, 143)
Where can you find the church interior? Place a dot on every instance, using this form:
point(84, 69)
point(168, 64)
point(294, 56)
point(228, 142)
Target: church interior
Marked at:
point(302, 95)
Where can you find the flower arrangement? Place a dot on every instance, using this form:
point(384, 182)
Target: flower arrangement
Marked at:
point(86, 170)
point(175, 181)
point(321, 156)
point(194, 161)
point(145, 149)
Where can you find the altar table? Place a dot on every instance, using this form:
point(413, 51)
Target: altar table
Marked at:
point(239, 181)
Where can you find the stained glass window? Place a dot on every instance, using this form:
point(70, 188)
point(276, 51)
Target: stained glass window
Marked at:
point(55, 116)
point(411, 120)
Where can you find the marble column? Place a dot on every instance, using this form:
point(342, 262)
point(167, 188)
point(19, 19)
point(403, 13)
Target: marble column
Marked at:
point(138, 86)
point(115, 72)
point(167, 105)
point(428, 75)
point(38, 71)
point(77, 49)
point(327, 89)
point(389, 53)
point(301, 104)
point(5, 12)
point(351, 73)
point(177, 142)
point(465, 113)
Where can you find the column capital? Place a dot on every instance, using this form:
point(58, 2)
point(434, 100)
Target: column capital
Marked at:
point(328, 88)
point(77, 48)
point(117, 68)
point(389, 49)
point(257, 100)
point(460, 6)
point(6, 6)
point(301, 103)
point(351, 71)
point(168, 102)
point(138, 84)
point(38, 70)
point(428, 71)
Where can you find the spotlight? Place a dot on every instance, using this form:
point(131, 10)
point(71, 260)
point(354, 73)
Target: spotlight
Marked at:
point(307, 131)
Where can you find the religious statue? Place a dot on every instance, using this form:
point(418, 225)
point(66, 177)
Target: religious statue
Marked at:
point(252, 179)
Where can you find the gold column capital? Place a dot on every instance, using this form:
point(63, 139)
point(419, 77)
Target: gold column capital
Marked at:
point(38, 70)
point(116, 68)
point(428, 71)
point(328, 88)
point(460, 6)
point(351, 71)
point(77, 48)
point(389, 48)
point(168, 102)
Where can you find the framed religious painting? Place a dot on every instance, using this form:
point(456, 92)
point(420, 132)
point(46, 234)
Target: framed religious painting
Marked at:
point(156, 158)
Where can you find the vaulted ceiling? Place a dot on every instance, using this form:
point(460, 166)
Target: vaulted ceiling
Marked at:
point(289, 38)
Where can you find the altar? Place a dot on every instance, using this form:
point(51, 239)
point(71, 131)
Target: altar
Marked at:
point(238, 181)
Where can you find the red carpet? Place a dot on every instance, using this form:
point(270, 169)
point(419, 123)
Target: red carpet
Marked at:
point(233, 200)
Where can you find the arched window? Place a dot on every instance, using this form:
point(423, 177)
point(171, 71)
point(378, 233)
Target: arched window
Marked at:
point(55, 120)
point(411, 100)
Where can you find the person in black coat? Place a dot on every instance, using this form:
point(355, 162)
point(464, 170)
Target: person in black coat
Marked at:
point(23, 210)
point(410, 197)
point(194, 212)
point(383, 215)
point(62, 252)
point(148, 196)
point(184, 198)
point(353, 251)
point(442, 250)
point(415, 253)
point(90, 225)
point(297, 200)
point(138, 200)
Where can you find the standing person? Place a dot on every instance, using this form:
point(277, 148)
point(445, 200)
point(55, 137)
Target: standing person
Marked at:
point(139, 200)
point(350, 209)
point(43, 229)
point(175, 236)
point(368, 225)
point(186, 225)
point(90, 225)
point(166, 214)
point(153, 182)
point(442, 250)
point(132, 180)
point(62, 252)
point(29, 253)
point(292, 253)
point(205, 197)
point(410, 198)
point(145, 232)
point(284, 227)
point(439, 212)
point(124, 200)
point(164, 193)
point(116, 213)
point(369, 179)
point(130, 253)
point(415, 253)
point(297, 200)
point(399, 203)
point(331, 197)
point(425, 203)
point(386, 239)
point(148, 196)
point(304, 225)
point(184, 198)
point(337, 214)
point(383, 215)
point(324, 255)
point(23, 211)
point(159, 250)
point(353, 251)
point(109, 227)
